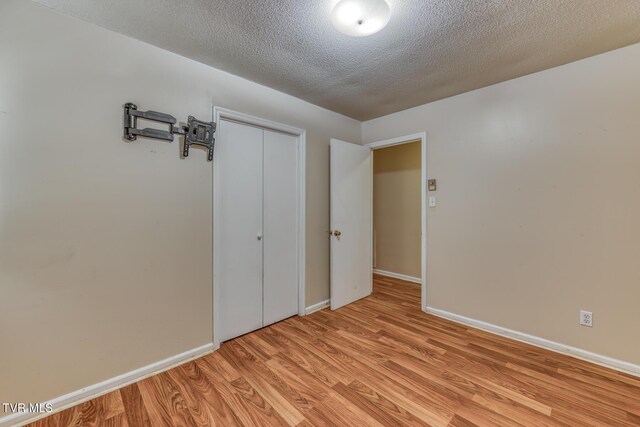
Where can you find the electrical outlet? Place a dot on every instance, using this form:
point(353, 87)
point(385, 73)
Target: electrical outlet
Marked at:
point(586, 318)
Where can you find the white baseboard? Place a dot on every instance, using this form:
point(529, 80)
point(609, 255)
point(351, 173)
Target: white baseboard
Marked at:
point(398, 276)
point(598, 359)
point(104, 387)
point(319, 306)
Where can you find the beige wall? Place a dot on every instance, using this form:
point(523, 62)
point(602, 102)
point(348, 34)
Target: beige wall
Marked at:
point(397, 207)
point(105, 246)
point(538, 201)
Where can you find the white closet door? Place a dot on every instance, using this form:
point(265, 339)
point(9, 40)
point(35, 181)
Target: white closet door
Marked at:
point(280, 226)
point(239, 273)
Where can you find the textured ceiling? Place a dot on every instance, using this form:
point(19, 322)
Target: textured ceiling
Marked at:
point(430, 50)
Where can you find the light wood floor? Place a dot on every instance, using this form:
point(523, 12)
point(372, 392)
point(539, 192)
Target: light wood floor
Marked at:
point(380, 361)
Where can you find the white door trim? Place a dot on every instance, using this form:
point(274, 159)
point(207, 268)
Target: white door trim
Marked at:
point(422, 136)
point(220, 113)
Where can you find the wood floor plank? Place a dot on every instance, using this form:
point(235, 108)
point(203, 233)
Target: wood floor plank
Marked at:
point(292, 395)
point(282, 402)
point(196, 388)
point(378, 362)
point(165, 405)
point(115, 421)
point(307, 386)
point(482, 416)
point(385, 411)
point(338, 411)
point(304, 355)
point(459, 421)
point(513, 409)
point(134, 407)
point(262, 413)
point(236, 401)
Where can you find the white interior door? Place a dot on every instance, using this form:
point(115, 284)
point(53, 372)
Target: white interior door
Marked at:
point(239, 269)
point(351, 222)
point(280, 226)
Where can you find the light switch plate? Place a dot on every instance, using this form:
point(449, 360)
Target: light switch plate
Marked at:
point(432, 201)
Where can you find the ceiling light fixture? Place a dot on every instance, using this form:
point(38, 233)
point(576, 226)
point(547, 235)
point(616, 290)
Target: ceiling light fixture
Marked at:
point(360, 17)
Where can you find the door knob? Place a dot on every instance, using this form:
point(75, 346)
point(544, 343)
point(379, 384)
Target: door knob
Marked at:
point(259, 236)
point(337, 233)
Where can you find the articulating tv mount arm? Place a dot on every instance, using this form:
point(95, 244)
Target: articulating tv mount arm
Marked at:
point(196, 132)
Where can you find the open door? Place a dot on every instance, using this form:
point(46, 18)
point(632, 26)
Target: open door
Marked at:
point(351, 222)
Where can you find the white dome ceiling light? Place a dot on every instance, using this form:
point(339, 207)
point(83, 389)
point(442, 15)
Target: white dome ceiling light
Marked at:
point(360, 17)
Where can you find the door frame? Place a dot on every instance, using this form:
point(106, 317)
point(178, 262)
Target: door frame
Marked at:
point(422, 137)
point(220, 113)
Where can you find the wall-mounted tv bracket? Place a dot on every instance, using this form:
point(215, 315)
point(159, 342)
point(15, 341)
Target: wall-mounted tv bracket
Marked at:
point(196, 132)
point(199, 133)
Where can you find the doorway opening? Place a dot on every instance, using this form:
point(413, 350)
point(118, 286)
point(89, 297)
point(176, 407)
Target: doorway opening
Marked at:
point(399, 214)
point(396, 212)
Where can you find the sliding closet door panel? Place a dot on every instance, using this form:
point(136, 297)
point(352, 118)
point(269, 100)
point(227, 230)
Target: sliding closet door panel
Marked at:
point(280, 226)
point(239, 273)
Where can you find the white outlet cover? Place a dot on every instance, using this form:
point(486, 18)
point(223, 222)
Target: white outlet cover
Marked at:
point(432, 201)
point(586, 318)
